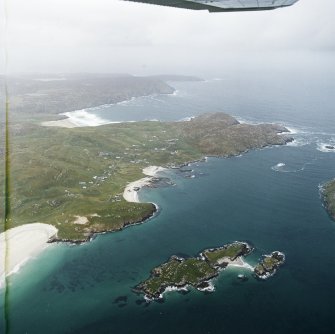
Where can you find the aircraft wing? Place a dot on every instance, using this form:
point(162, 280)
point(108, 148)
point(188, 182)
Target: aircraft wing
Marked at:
point(222, 5)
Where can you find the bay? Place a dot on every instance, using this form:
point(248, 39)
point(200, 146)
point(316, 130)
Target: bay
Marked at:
point(267, 197)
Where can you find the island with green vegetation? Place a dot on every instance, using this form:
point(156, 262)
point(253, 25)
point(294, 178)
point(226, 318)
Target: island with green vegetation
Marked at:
point(197, 272)
point(328, 195)
point(220, 257)
point(180, 273)
point(269, 264)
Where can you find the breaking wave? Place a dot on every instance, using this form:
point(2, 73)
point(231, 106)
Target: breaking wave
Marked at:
point(326, 147)
point(85, 118)
point(279, 167)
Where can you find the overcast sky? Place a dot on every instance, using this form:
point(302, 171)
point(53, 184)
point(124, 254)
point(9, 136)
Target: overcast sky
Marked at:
point(119, 36)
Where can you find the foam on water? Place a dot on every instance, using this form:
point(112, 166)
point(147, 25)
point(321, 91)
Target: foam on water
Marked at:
point(279, 167)
point(299, 142)
point(292, 130)
point(125, 102)
point(85, 118)
point(186, 119)
point(247, 121)
point(326, 147)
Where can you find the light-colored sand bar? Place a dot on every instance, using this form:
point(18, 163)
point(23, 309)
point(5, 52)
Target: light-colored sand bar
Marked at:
point(78, 118)
point(19, 244)
point(130, 193)
point(62, 123)
point(240, 263)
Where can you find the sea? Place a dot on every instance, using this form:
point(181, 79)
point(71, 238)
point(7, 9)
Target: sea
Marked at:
point(269, 198)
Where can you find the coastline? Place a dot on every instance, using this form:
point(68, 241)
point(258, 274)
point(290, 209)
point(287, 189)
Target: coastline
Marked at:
point(206, 286)
point(198, 272)
point(19, 244)
point(62, 123)
point(130, 193)
point(83, 117)
point(240, 263)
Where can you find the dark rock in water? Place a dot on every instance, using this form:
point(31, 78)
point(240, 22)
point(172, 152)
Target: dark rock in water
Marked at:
point(330, 147)
point(120, 299)
point(182, 255)
point(182, 170)
point(242, 278)
point(122, 305)
point(160, 182)
point(203, 285)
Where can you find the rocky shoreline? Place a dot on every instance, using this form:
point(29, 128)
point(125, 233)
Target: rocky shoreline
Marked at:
point(91, 235)
point(328, 197)
point(269, 265)
point(181, 274)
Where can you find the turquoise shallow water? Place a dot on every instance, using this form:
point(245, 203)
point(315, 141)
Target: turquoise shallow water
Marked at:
point(72, 289)
point(87, 288)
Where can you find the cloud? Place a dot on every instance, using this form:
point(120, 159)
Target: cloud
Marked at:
point(112, 35)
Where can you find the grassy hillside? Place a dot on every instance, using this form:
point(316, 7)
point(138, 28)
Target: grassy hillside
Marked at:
point(58, 174)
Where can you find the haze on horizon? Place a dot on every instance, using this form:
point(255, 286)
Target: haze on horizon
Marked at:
point(117, 36)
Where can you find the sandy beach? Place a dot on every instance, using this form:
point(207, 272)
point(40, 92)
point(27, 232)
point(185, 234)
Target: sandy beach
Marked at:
point(130, 193)
point(240, 263)
point(63, 123)
point(19, 244)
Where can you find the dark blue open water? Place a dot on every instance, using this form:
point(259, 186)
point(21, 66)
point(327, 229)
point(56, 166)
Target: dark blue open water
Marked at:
point(72, 289)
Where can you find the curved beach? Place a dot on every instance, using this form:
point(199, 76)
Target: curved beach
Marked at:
point(62, 123)
point(130, 193)
point(19, 244)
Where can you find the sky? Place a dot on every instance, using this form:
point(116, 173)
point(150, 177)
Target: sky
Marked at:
point(48, 36)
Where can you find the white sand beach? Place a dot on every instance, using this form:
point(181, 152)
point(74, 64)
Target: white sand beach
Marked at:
point(240, 263)
point(19, 244)
point(78, 118)
point(130, 193)
point(62, 123)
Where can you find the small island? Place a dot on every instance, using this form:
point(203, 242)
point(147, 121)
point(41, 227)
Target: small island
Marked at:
point(181, 273)
point(328, 196)
point(269, 265)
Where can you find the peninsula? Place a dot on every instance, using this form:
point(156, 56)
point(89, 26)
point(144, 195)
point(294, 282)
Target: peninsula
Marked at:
point(61, 174)
point(37, 98)
point(74, 179)
point(68, 184)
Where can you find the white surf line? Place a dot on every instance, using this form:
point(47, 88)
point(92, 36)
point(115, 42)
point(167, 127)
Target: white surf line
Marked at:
point(19, 244)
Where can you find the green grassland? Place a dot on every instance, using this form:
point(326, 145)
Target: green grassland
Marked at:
point(197, 271)
point(35, 98)
point(329, 197)
point(231, 251)
point(194, 271)
point(177, 273)
point(269, 264)
point(57, 174)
